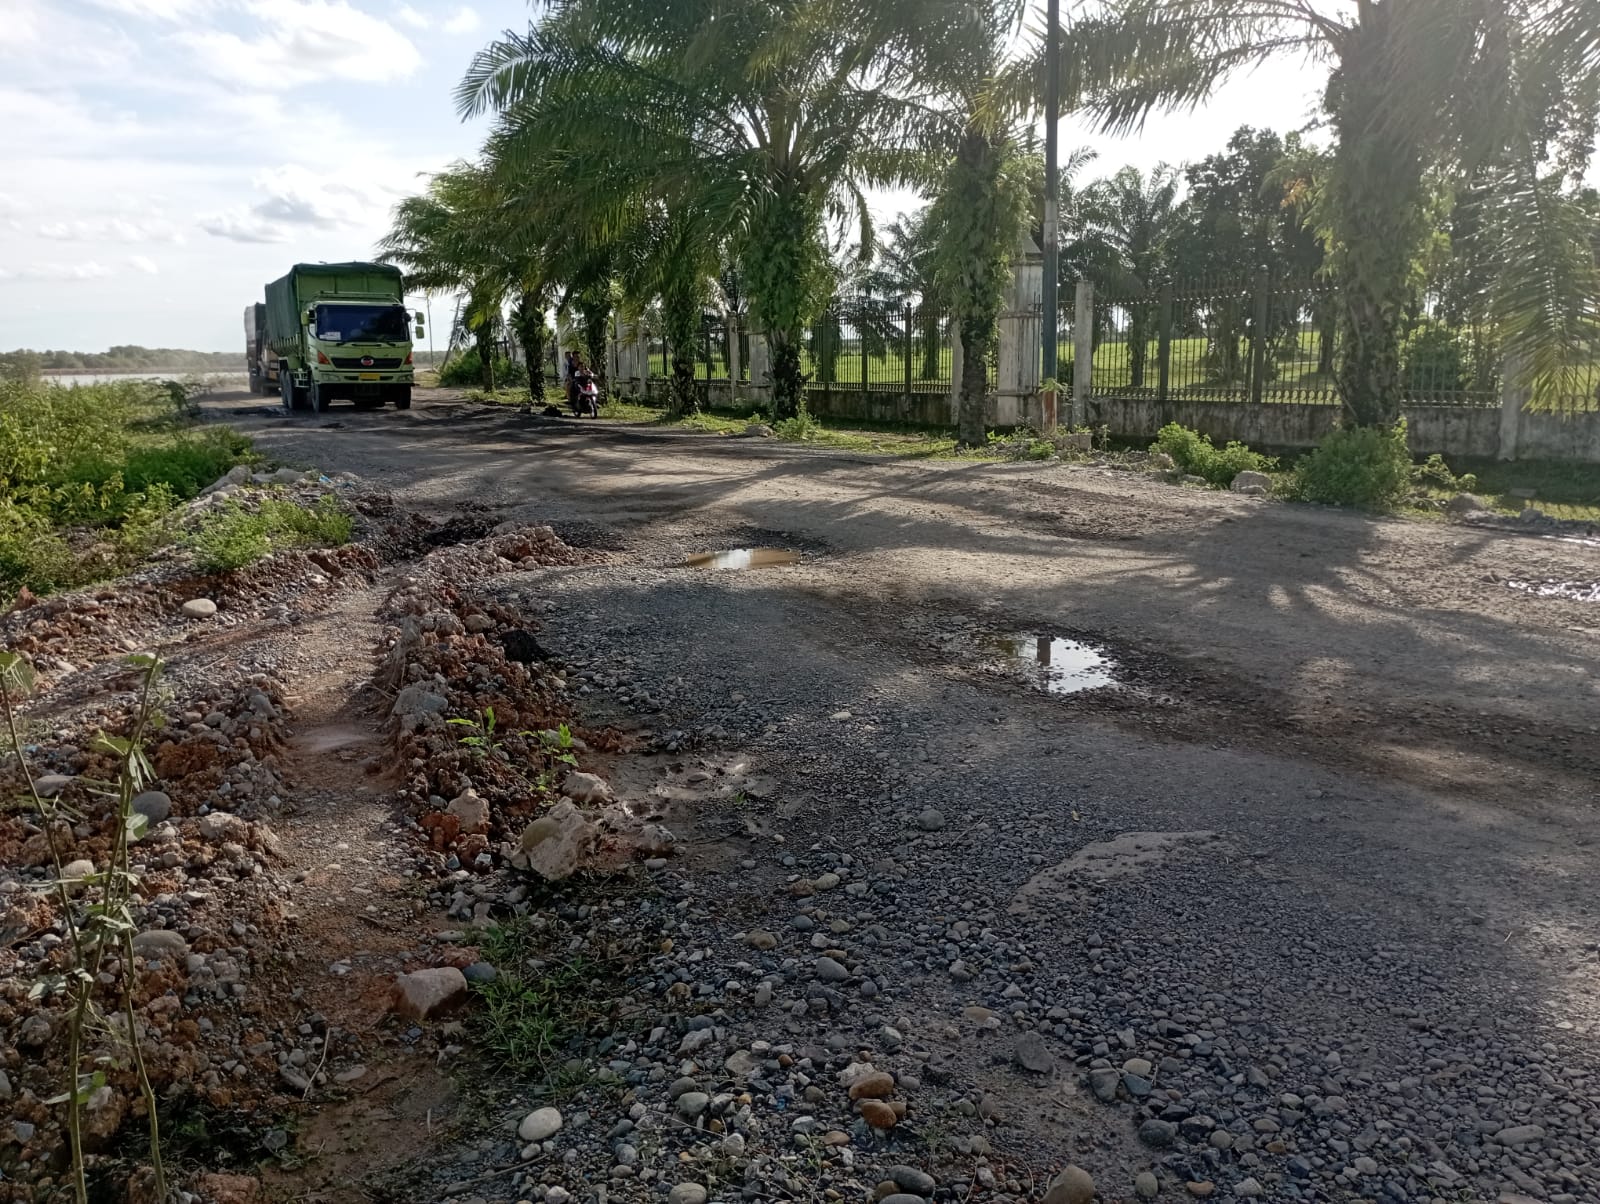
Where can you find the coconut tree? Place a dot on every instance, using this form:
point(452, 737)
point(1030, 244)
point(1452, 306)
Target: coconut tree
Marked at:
point(769, 117)
point(458, 234)
point(1413, 86)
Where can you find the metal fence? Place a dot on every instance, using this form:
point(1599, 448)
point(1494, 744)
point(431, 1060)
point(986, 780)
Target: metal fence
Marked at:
point(856, 344)
point(1263, 341)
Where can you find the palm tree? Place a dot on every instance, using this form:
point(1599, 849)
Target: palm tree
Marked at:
point(768, 117)
point(905, 276)
point(1413, 86)
point(1126, 226)
point(458, 234)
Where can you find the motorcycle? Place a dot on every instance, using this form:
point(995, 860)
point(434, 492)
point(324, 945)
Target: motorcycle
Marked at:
point(585, 395)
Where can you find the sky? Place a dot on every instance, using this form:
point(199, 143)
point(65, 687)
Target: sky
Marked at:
point(163, 159)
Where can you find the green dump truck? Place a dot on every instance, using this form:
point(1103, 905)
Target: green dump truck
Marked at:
point(334, 332)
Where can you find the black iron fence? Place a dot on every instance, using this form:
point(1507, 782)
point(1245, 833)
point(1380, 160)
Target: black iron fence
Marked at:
point(1260, 340)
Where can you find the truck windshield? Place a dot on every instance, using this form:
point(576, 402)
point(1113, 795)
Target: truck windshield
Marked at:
point(363, 323)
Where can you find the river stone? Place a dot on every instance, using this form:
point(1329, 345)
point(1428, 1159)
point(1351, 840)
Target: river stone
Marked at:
point(199, 608)
point(912, 1179)
point(1520, 1135)
point(1074, 1185)
point(931, 819)
point(160, 942)
point(540, 1125)
point(154, 805)
point(1146, 1185)
point(423, 994)
point(1032, 1055)
point(687, 1193)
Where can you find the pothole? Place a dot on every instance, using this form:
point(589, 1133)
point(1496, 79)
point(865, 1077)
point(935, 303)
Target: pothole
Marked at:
point(1056, 665)
point(1572, 591)
point(742, 558)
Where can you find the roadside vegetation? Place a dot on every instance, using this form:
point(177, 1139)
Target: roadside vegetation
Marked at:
point(94, 478)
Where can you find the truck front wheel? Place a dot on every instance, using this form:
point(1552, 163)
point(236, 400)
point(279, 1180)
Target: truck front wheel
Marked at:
point(318, 397)
point(402, 397)
point(286, 389)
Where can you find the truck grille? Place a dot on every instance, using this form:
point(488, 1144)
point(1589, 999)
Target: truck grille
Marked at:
point(365, 361)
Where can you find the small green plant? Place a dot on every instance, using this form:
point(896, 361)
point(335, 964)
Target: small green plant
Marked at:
point(465, 371)
point(562, 742)
point(235, 537)
point(1362, 466)
point(104, 923)
point(1434, 473)
point(532, 1007)
point(802, 428)
point(1198, 456)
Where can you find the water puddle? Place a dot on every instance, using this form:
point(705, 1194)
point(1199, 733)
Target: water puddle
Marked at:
point(742, 558)
point(1059, 666)
point(1571, 591)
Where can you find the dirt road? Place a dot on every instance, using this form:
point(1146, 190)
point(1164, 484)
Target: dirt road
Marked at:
point(1306, 900)
point(1300, 907)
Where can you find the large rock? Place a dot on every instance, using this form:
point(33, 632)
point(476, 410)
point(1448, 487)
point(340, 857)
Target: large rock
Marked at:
point(424, 994)
point(1464, 504)
point(199, 608)
point(586, 789)
point(555, 845)
point(1032, 1055)
point(155, 806)
point(160, 942)
point(52, 784)
point(540, 1125)
point(472, 811)
point(237, 475)
point(221, 826)
point(1520, 1135)
point(414, 704)
point(1249, 480)
point(1072, 1186)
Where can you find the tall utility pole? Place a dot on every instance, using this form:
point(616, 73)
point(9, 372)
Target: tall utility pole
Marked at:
point(1052, 199)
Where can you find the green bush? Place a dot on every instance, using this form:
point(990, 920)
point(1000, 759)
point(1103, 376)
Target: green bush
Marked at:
point(1362, 466)
point(234, 537)
point(466, 371)
point(1195, 454)
point(1434, 473)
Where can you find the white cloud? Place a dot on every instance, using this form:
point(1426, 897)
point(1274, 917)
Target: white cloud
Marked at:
point(302, 41)
point(88, 270)
point(111, 229)
point(144, 264)
point(164, 10)
point(463, 21)
point(407, 15)
point(292, 196)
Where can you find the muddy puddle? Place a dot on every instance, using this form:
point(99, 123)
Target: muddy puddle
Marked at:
point(1056, 665)
point(1571, 591)
point(742, 558)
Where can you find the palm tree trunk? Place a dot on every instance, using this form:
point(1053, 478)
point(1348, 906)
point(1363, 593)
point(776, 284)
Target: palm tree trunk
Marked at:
point(932, 345)
point(975, 336)
point(685, 395)
point(788, 385)
point(1377, 205)
point(1138, 343)
point(529, 319)
point(484, 337)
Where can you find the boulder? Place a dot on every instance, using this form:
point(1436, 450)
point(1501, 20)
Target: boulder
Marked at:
point(221, 826)
point(472, 811)
point(199, 608)
point(1248, 481)
point(154, 805)
point(1464, 504)
point(414, 704)
point(758, 430)
point(1072, 1186)
point(540, 1125)
point(555, 845)
point(586, 789)
point(424, 994)
point(160, 942)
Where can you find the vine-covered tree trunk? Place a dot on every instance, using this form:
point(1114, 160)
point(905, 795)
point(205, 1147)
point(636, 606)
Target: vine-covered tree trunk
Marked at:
point(788, 383)
point(976, 334)
point(529, 322)
point(1378, 219)
point(596, 316)
point(484, 337)
point(932, 341)
point(1138, 342)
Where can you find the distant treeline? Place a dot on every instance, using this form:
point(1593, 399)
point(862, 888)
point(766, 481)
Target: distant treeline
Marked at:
point(27, 363)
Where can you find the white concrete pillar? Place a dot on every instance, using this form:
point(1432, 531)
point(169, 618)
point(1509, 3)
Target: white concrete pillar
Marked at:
point(760, 368)
point(1017, 356)
point(1082, 352)
point(735, 387)
point(1513, 399)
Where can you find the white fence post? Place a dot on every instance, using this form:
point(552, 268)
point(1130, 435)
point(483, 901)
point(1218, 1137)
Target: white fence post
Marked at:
point(1082, 352)
point(735, 366)
point(760, 368)
point(1513, 399)
point(1017, 357)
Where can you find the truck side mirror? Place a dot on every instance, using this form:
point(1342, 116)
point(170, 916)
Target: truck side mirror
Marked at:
point(420, 334)
point(418, 316)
